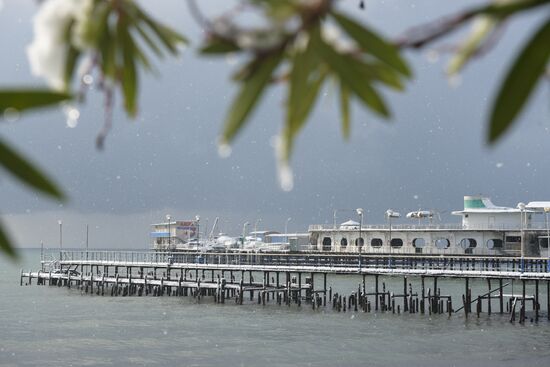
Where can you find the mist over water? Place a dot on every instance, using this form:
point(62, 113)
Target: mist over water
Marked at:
point(52, 326)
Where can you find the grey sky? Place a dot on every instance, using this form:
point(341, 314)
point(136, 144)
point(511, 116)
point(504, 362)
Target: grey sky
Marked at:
point(428, 156)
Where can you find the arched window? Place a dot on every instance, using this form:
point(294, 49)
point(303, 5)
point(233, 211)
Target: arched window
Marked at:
point(442, 243)
point(376, 242)
point(359, 242)
point(396, 242)
point(467, 243)
point(327, 244)
point(494, 244)
point(344, 242)
point(419, 242)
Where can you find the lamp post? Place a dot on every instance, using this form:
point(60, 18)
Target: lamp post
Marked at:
point(246, 224)
point(546, 210)
point(360, 239)
point(60, 233)
point(198, 219)
point(521, 207)
point(286, 228)
point(169, 219)
point(391, 214)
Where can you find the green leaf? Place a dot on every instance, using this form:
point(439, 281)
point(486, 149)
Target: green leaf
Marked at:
point(306, 78)
point(5, 244)
point(520, 81)
point(169, 37)
point(344, 66)
point(128, 73)
point(145, 36)
point(26, 172)
point(217, 45)
point(373, 44)
point(108, 48)
point(304, 64)
point(376, 71)
point(24, 99)
point(70, 64)
point(249, 94)
point(345, 110)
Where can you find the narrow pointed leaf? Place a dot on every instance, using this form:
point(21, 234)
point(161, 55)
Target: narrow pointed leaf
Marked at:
point(147, 39)
point(304, 64)
point(27, 172)
point(373, 44)
point(219, 46)
point(169, 37)
point(24, 99)
point(520, 81)
point(70, 64)
point(344, 67)
point(6, 245)
point(249, 94)
point(128, 73)
point(345, 110)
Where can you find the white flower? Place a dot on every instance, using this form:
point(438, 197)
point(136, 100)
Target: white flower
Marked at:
point(48, 51)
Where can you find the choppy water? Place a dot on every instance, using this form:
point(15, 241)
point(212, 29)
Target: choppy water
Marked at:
point(50, 326)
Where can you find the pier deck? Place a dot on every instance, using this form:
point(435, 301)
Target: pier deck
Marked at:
point(291, 278)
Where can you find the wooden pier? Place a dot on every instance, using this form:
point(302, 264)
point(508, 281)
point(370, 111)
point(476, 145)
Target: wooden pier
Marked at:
point(300, 278)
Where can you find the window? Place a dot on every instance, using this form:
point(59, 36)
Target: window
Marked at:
point(419, 242)
point(376, 242)
point(344, 242)
point(442, 243)
point(327, 244)
point(494, 244)
point(467, 243)
point(513, 239)
point(396, 242)
point(359, 242)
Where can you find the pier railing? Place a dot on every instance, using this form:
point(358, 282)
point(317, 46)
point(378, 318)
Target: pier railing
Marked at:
point(310, 260)
point(435, 226)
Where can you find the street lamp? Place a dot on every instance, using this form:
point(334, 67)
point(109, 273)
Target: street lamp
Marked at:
point(546, 210)
point(60, 233)
point(169, 219)
point(197, 219)
point(521, 207)
point(246, 224)
point(360, 239)
point(286, 228)
point(391, 214)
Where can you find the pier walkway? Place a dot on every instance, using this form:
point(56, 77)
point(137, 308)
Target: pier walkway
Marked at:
point(294, 278)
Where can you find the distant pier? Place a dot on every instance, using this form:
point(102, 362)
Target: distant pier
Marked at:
point(301, 279)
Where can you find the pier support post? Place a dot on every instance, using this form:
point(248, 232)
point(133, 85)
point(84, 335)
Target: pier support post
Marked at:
point(489, 297)
point(467, 304)
point(501, 296)
point(325, 289)
point(405, 298)
point(537, 300)
point(522, 313)
point(423, 299)
point(376, 291)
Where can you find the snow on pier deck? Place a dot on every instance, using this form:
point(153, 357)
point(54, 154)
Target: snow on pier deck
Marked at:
point(293, 278)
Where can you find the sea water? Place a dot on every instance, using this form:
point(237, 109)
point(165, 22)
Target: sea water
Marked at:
point(51, 326)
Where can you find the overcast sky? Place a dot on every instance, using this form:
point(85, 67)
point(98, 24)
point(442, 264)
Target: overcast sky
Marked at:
point(428, 156)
